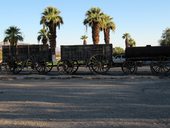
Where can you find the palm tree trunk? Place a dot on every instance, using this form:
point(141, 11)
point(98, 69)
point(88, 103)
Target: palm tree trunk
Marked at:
point(44, 41)
point(52, 39)
point(84, 42)
point(126, 42)
point(95, 33)
point(13, 49)
point(107, 36)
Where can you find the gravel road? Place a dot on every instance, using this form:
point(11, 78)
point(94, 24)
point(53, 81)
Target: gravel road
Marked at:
point(82, 102)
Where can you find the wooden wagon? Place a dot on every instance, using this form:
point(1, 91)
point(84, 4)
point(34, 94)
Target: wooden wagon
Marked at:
point(157, 57)
point(35, 57)
point(97, 57)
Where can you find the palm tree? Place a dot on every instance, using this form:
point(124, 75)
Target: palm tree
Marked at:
point(52, 19)
point(126, 36)
point(84, 38)
point(93, 19)
point(132, 42)
point(106, 25)
point(43, 36)
point(13, 35)
point(165, 41)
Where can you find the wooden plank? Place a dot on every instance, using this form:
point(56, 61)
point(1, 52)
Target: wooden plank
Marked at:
point(85, 52)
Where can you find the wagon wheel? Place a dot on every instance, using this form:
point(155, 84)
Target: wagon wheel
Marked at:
point(43, 67)
point(29, 64)
point(70, 67)
point(160, 67)
point(99, 64)
point(49, 66)
point(129, 67)
point(60, 66)
point(4, 68)
point(90, 67)
point(15, 66)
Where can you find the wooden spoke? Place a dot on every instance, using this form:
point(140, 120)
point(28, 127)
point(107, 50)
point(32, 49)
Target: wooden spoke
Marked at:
point(129, 67)
point(49, 66)
point(160, 67)
point(60, 66)
point(70, 67)
point(99, 64)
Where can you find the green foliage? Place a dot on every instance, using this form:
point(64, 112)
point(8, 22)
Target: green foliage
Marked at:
point(93, 20)
point(165, 41)
point(51, 19)
point(132, 42)
point(126, 36)
point(93, 15)
point(98, 20)
point(129, 42)
point(118, 51)
point(106, 25)
point(43, 36)
point(84, 38)
point(13, 35)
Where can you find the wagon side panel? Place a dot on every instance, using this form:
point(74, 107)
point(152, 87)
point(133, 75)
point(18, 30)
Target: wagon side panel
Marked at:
point(147, 53)
point(85, 52)
point(5, 53)
point(72, 53)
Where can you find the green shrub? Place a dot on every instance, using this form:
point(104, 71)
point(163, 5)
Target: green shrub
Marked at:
point(118, 51)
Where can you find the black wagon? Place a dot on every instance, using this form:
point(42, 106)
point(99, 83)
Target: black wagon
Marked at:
point(98, 58)
point(35, 57)
point(157, 57)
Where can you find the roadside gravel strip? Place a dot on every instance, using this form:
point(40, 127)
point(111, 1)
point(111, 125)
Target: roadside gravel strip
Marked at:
point(49, 77)
point(105, 123)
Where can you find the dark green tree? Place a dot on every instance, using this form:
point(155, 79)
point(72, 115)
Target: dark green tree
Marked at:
point(132, 42)
point(118, 51)
point(93, 19)
point(107, 24)
point(51, 19)
point(126, 36)
point(84, 38)
point(165, 41)
point(13, 35)
point(43, 36)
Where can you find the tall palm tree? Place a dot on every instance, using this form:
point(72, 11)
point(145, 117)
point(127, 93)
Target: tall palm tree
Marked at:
point(106, 25)
point(132, 42)
point(52, 19)
point(126, 36)
point(13, 35)
point(84, 38)
point(93, 19)
point(43, 36)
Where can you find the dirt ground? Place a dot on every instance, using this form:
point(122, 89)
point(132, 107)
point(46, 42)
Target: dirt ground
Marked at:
point(85, 102)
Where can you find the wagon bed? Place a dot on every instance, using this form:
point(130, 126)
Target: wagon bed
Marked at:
point(147, 53)
point(97, 57)
point(18, 57)
point(157, 57)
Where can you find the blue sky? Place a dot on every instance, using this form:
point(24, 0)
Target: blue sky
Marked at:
point(145, 20)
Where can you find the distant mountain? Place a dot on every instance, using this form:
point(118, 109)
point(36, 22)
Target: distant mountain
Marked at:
point(2, 43)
